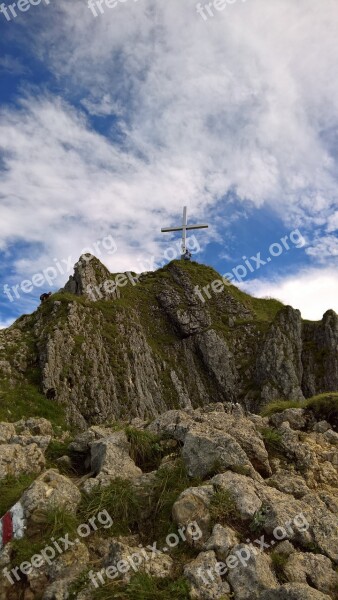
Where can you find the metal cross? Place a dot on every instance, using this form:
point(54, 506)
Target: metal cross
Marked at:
point(185, 227)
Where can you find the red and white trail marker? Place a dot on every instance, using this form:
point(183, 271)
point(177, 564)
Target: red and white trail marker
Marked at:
point(12, 525)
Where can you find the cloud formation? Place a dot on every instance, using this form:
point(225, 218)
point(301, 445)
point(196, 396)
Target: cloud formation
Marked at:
point(190, 110)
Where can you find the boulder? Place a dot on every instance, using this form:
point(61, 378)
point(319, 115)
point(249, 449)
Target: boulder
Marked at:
point(204, 579)
point(7, 430)
point(241, 490)
point(17, 460)
point(110, 460)
point(221, 541)
point(251, 576)
point(50, 490)
point(128, 559)
point(192, 506)
point(296, 417)
point(312, 568)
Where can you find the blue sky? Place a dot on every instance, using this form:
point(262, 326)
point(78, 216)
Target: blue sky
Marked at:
point(110, 125)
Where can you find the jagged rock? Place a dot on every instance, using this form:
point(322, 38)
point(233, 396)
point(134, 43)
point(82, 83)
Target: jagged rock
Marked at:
point(92, 280)
point(331, 437)
point(294, 591)
point(17, 460)
point(205, 451)
point(321, 427)
point(156, 564)
point(289, 483)
point(205, 582)
point(294, 416)
point(42, 441)
point(192, 506)
point(64, 571)
point(312, 568)
point(34, 426)
point(251, 577)
point(320, 355)
point(279, 366)
point(221, 541)
point(7, 431)
point(110, 460)
point(242, 492)
point(219, 361)
point(50, 490)
point(214, 439)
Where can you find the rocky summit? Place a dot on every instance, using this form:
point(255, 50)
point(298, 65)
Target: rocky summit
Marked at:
point(167, 436)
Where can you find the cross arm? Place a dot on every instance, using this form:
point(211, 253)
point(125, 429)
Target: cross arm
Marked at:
point(197, 226)
point(167, 229)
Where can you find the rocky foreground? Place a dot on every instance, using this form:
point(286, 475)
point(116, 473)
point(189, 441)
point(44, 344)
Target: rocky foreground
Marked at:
point(208, 504)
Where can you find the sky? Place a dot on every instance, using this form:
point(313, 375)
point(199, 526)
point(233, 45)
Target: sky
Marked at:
point(111, 123)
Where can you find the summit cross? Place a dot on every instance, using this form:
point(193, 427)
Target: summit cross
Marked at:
point(184, 228)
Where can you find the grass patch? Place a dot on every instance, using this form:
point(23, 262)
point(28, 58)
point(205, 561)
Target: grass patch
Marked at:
point(146, 450)
point(171, 481)
point(56, 449)
point(222, 508)
point(323, 407)
point(279, 406)
point(145, 587)
point(24, 400)
point(273, 440)
point(57, 522)
point(120, 501)
point(12, 489)
point(278, 562)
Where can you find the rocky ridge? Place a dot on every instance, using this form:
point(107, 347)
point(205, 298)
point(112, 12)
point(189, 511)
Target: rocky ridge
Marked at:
point(102, 352)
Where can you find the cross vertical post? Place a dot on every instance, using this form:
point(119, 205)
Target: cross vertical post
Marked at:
point(185, 227)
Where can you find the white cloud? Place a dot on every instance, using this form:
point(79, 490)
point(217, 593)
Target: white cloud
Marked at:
point(312, 291)
point(240, 102)
point(6, 323)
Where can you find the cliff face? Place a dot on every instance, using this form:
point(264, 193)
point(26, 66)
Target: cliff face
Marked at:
point(107, 353)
